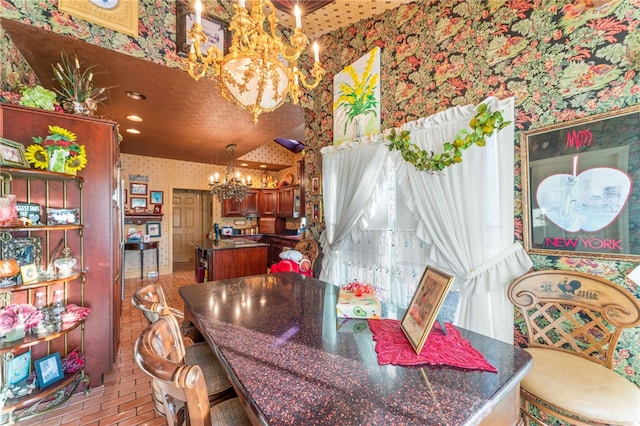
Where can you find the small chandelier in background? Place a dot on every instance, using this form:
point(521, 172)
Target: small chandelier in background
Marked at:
point(232, 187)
point(260, 70)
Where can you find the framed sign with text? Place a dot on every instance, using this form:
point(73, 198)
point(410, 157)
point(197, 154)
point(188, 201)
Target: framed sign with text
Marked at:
point(577, 180)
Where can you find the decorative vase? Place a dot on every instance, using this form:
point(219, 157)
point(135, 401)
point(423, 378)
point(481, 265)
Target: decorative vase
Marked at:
point(57, 159)
point(15, 333)
point(360, 121)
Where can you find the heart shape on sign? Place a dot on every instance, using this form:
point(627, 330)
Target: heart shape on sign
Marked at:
point(589, 201)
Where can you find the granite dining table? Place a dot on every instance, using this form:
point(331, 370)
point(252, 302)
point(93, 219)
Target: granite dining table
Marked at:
point(293, 362)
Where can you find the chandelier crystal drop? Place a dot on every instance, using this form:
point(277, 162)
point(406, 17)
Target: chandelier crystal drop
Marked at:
point(260, 70)
point(232, 187)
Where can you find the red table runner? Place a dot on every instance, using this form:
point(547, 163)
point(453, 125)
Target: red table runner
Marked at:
point(393, 347)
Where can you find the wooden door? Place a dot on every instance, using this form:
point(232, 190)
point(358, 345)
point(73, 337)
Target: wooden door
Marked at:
point(187, 224)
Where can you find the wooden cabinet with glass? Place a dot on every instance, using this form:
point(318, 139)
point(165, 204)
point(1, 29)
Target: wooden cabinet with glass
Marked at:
point(50, 254)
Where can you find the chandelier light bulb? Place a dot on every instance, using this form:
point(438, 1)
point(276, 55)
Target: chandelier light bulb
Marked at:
point(296, 12)
point(198, 8)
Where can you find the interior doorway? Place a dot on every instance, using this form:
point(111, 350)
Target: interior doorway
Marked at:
point(189, 216)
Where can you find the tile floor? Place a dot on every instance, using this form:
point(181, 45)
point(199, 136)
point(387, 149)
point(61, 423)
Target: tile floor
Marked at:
point(125, 397)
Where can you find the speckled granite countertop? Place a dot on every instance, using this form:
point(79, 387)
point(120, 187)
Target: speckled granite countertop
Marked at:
point(224, 244)
point(278, 337)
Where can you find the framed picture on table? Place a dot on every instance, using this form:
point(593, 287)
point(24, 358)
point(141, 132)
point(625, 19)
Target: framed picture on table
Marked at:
point(425, 304)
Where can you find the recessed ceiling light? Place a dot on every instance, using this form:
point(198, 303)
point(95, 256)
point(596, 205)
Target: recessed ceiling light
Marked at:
point(136, 95)
point(134, 118)
point(263, 166)
point(244, 164)
point(134, 131)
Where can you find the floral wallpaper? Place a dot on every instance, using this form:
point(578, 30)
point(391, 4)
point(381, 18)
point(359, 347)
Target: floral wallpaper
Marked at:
point(561, 60)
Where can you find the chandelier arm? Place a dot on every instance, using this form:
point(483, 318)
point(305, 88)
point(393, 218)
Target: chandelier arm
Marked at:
point(317, 72)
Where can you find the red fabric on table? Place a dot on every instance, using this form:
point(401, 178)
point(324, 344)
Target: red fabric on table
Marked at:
point(393, 347)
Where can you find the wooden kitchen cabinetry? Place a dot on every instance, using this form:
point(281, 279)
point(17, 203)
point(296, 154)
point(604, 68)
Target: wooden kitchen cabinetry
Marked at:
point(101, 225)
point(276, 245)
point(37, 245)
point(268, 203)
point(246, 208)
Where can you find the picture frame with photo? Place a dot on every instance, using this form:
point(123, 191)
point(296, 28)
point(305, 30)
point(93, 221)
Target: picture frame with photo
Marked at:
point(25, 250)
point(138, 203)
point(12, 154)
point(425, 304)
point(217, 31)
point(154, 229)
point(156, 197)
point(16, 367)
point(137, 188)
point(48, 370)
point(29, 273)
point(579, 182)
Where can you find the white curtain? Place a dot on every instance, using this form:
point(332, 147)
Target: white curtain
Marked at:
point(460, 221)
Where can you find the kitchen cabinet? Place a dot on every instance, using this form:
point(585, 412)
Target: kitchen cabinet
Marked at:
point(284, 201)
point(38, 245)
point(101, 220)
point(244, 208)
point(268, 203)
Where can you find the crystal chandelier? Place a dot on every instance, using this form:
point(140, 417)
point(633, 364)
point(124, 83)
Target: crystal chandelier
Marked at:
point(232, 187)
point(260, 70)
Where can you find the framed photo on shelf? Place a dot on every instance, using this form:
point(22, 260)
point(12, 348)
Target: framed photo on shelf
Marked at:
point(25, 250)
point(138, 203)
point(578, 182)
point(12, 154)
point(157, 208)
point(423, 309)
point(157, 197)
point(217, 31)
point(16, 368)
point(154, 229)
point(29, 273)
point(48, 370)
point(137, 188)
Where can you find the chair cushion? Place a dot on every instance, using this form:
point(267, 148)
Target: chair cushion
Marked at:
point(229, 413)
point(214, 375)
point(582, 387)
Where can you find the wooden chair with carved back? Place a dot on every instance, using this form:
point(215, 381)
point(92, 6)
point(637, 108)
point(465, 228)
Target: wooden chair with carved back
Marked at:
point(151, 301)
point(309, 249)
point(182, 387)
point(574, 321)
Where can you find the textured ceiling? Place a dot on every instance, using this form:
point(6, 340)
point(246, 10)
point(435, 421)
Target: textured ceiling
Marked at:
point(183, 119)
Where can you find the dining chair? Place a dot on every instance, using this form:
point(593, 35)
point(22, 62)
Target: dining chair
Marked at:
point(574, 321)
point(309, 248)
point(150, 299)
point(182, 387)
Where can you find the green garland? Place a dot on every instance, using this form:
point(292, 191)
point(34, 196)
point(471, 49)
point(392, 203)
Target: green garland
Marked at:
point(482, 125)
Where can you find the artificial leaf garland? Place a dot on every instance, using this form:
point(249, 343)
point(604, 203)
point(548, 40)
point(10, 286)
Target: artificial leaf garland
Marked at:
point(482, 125)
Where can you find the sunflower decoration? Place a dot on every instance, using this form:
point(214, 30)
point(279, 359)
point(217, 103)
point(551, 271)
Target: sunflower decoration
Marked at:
point(58, 152)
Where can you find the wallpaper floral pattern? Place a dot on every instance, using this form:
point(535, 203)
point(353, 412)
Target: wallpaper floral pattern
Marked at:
point(561, 59)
